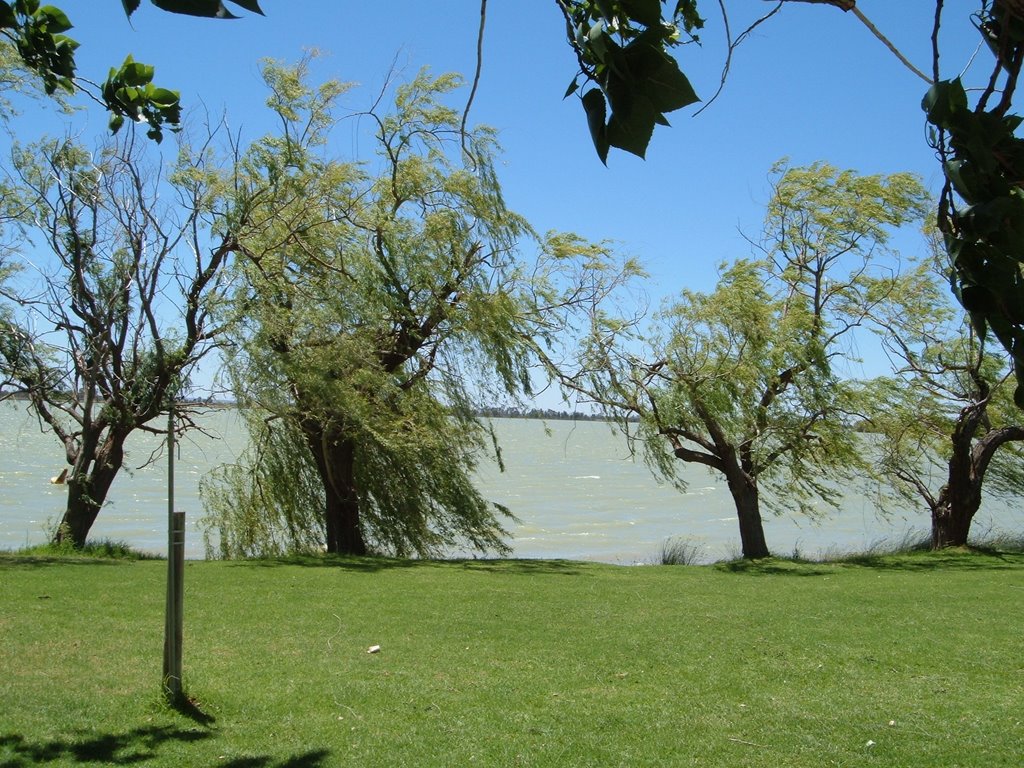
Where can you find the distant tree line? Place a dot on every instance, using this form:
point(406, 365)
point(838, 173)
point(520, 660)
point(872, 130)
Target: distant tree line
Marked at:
point(547, 414)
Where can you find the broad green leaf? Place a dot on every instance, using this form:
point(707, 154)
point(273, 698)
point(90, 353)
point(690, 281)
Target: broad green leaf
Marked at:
point(596, 109)
point(135, 73)
point(211, 9)
point(56, 20)
point(657, 74)
point(127, 95)
point(163, 97)
point(249, 5)
point(633, 132)
point(944, 99)
point(130, 6)
point(977, 299)
point(687, 9)
point(7, 17)
point(647, 12)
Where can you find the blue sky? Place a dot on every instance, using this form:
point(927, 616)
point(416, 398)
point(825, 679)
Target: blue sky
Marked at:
point(811, 84)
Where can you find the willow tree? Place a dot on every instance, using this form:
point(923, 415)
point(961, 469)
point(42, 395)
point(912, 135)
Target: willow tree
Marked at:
point(382, 300)
point(103, 332)
point(947, 430)
point(748, 380)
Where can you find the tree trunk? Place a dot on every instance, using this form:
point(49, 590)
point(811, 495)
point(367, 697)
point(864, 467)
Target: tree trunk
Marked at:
point(335, 461)
point(88, 485)
point(748, 510)
point(960, 497)
point(952, 514)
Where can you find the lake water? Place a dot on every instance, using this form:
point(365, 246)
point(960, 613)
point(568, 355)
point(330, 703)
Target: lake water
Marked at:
point(576, 492)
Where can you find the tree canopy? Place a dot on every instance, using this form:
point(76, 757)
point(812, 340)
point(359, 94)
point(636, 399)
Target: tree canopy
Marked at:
point(382, 300)
point(748, 380)
point(102, 333)
point(944, 426)
point(38, 34)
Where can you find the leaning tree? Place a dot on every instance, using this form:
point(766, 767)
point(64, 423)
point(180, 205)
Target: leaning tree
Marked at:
point(111, 311)
point(944, 424)
point(750, 379)
point(381, 302)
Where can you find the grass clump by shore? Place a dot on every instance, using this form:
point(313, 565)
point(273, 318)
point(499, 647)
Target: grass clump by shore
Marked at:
point(909, 660)
point(101, 549)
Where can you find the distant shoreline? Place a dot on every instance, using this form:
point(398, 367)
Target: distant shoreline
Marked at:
point(544, 414)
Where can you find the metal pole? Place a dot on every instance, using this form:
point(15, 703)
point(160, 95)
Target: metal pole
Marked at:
point(175, 579)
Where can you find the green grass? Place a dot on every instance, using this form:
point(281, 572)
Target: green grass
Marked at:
point(896, 660)
point(104, 549)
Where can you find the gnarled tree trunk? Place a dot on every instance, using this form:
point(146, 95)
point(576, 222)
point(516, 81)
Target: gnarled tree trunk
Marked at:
point(960, 499)
point(951, 520)
point(88, 485)
point(335, 461)
point(743, 488)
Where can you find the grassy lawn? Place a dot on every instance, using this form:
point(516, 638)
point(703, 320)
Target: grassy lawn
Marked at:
point(914, 660)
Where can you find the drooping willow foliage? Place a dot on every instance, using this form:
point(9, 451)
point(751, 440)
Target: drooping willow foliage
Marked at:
point(380, 303)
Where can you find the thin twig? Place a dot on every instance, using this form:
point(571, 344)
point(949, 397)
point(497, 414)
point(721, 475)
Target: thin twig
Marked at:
point(476, 76)
point(732, 44)
point(885, 41)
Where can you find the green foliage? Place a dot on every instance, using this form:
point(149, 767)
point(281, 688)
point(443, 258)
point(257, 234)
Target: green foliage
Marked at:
point(947, 414)
point(750, 379)
point(270, 503)
point(982, 204)
point(754, 365)
point(623, 49)
point(382, 301)
point(104, 549)
point(129, 92)
point(105, 339)
point(207, 8)
point(679, 551)
point(37, 32)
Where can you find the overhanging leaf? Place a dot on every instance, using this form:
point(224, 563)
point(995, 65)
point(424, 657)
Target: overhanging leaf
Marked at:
point(647, 12)
point(211, 9)
point(656, 74)
point(596, 108)
point(7, 18)
point(633, 132)
point(944, 99)
point(249, 5)
point(56, 20)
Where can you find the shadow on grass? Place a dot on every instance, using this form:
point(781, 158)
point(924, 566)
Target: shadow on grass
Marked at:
point(341, 562)
point(947, 560)
point(190, 709)
point(130, 748)
point(312, 759)
point(376, 564)
point(134, 746)
point(772, 566)
point(523, 566)
point(14, 560)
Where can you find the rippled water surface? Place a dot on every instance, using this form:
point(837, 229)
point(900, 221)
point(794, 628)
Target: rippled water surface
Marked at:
point(576, 493)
